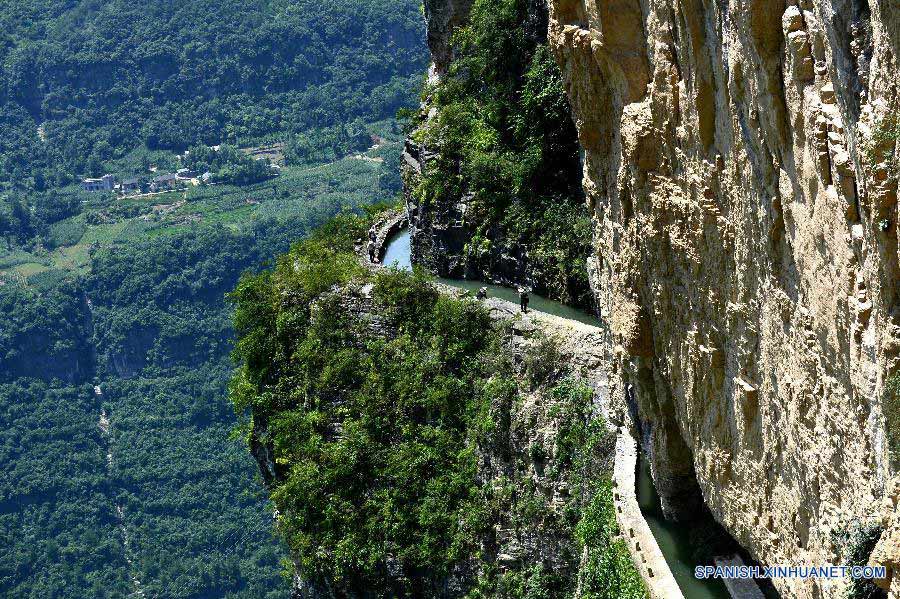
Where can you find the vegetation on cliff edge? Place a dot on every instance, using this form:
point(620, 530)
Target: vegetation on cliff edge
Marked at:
point(382, 401)
point(147, 323)
point(504, 133)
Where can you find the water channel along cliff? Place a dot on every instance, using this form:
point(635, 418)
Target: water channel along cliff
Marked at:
point(740, 171)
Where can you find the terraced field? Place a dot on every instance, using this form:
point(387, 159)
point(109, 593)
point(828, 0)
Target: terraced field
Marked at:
point(110, 221)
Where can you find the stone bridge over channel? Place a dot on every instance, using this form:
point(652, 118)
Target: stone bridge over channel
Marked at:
point(386, 226)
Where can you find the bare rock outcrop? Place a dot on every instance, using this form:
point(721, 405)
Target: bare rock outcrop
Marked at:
point(442, 18)
point(743, 181)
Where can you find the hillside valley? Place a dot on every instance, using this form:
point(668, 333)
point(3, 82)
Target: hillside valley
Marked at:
point(121, 473)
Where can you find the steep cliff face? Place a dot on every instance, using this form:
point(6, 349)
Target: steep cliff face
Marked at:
point(742, 175)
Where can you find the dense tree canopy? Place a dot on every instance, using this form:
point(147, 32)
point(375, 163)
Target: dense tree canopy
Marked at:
point(150, 326)
point(380, 412)
point(84, 82)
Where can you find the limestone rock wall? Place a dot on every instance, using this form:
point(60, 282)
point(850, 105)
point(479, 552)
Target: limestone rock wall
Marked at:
point(745, 203)
point(440, 234)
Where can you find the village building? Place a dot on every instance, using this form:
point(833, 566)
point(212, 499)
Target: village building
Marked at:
point(130, 185)
point(104, 183)
point(169, 181)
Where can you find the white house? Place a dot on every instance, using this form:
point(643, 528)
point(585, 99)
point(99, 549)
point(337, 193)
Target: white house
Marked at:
point(104, 183)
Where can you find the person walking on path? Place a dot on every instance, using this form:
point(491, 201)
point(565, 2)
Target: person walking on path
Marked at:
point(372, 239)
point(523, 299)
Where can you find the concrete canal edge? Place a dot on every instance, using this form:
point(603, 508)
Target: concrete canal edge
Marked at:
point(642, 545)
point(739, 588)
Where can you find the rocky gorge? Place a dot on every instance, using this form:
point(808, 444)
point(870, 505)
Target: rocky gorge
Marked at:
point(491, 169)
point(740, 171)
point(719, 180)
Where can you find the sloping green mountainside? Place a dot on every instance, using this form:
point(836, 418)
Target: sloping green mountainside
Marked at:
point(91, 87)
point(119, 477)
point(394, 430)
point(139, 489)
point(150, 326)
point(105, 77)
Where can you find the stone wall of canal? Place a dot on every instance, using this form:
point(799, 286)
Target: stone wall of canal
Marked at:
point(642, 545)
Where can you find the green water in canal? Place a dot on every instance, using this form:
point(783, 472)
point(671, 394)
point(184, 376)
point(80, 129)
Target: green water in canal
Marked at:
point(674, 541)
point(397, 255)
point(673, 538)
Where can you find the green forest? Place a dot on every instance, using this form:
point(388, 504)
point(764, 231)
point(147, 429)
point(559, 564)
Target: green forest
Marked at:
point(149, 326)
point(121, 473)
point(84, 83)
point(125, 468)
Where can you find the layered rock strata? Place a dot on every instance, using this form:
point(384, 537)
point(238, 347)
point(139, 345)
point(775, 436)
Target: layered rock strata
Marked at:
point(742, 174)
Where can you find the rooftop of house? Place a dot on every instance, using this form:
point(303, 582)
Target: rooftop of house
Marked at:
point(100, 180)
